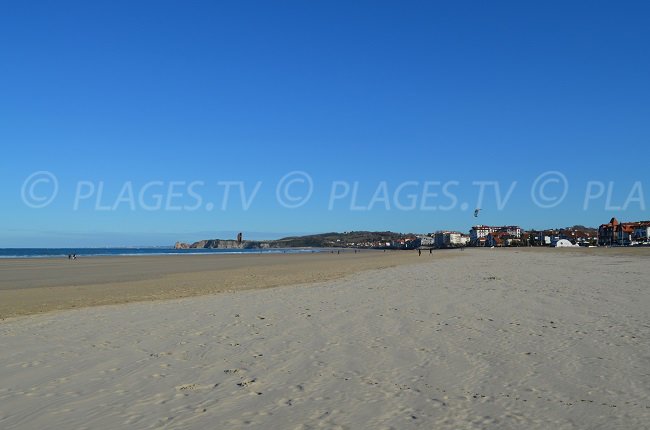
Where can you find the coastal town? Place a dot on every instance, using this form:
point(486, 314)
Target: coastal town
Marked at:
point(613, 233)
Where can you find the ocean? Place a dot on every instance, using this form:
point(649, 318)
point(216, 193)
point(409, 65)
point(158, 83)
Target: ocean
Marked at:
point(101, 252)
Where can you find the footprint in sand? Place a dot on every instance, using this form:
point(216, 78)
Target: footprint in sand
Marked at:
point(247, 382)
point(193, 387)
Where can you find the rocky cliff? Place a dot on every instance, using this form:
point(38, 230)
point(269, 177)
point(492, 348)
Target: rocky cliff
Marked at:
point(223, 244)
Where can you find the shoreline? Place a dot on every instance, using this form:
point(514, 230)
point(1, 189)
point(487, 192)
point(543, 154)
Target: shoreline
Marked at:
point(146, 252)
point(34, 286)
point(30, 286)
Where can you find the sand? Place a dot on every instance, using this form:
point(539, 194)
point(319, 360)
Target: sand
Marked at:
point(495, 339)
point(29, 286)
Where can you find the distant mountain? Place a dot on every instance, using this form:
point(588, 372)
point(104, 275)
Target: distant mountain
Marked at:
point(582, 228)
point(579, 230)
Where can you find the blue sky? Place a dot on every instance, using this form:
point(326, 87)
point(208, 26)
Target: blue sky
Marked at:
point(367, 92)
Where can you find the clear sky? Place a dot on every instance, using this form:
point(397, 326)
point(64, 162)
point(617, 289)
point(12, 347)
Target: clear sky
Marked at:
point(378, 94)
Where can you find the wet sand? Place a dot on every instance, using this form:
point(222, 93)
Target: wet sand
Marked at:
point(29, 286)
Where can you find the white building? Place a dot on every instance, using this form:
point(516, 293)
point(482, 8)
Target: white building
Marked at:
point(455, 238)
point(426, 240)
point(481, 231)
point(444, 239)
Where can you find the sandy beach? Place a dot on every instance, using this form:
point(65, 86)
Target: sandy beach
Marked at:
point(38, 285)
point(491, 339)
